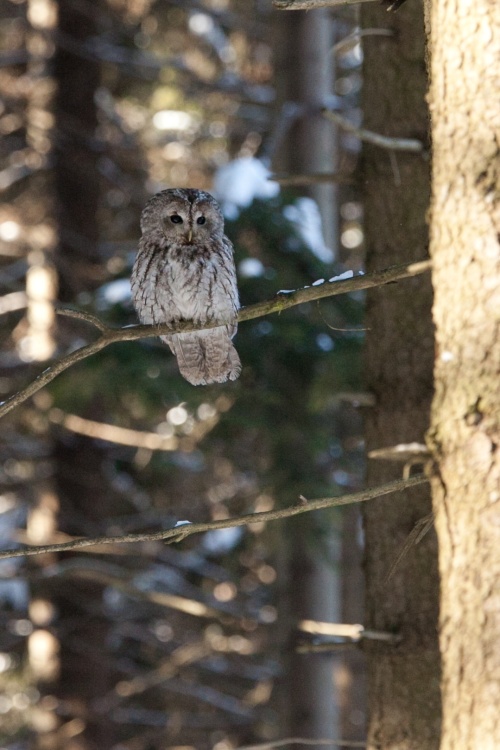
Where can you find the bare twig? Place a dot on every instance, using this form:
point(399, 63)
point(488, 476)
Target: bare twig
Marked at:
point(314, 178)
point(328, 646)
point(414, 537)
point(310, 4)
point(402, 452)
point(353, 632)
point(411, 454)
point(281, 301)
point(85, 316)
point(181, 532)
point(357, 35)
point(302, 741)
point(384, 141)
point(113, 433)
point(336, 629)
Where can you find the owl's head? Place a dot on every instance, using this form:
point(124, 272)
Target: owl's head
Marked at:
point(183, 216)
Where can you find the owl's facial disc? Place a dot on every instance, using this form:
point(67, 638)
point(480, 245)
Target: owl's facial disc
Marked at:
point(176, 224)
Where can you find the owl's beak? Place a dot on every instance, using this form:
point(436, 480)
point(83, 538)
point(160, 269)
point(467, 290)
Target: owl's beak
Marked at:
point(190, 235)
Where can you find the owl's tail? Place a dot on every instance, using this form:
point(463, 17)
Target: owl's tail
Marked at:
point(206, 357)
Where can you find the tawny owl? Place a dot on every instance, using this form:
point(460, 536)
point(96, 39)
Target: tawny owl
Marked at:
point(184, 270)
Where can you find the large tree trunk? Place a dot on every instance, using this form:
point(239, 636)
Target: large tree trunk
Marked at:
point(403, 679)
point(465, 434)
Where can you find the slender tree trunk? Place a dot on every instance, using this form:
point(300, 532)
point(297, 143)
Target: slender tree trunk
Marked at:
point(403, 679)
point(84, 497)
point(313, 590)
point(77, 177)
point(465, 434)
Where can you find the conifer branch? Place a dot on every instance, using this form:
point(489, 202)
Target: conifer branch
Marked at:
point(281, 301)
point(185, 529)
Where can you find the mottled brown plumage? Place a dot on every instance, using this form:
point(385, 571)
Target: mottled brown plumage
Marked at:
point(184, 270)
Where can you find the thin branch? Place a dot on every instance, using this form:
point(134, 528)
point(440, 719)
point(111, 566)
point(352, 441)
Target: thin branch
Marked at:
point(353, 632)
point(384, 141)
point(415, 536)
point(181, 532)
point(151, 441)
point(284, 300)
point(281, 301)
point(302, 741)
point(310, 4)
point(113, 433)
point(314, 178)
point(402, 452)
point(357, 35)
point(337, 629)
point(328, 647)
point(93, 320)
point(51, 373)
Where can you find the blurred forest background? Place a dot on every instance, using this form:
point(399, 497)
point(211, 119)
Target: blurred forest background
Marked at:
point(149, 646)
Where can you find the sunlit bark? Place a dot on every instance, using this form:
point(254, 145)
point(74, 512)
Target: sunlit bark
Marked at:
point(465, 435)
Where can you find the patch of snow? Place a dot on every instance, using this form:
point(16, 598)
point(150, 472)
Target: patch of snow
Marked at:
point(342, 276)
point(306, 217)
point(239, 182)
point(285, 291)
point(182, 523)
point(318, 282)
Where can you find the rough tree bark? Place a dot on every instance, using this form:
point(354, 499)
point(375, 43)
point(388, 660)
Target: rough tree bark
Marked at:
point(403, 680)
point(465, 435)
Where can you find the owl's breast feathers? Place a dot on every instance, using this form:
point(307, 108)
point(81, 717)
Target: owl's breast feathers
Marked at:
point(185, 282)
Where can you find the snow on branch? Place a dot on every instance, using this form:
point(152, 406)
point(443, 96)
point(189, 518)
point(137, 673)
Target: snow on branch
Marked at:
point(281, 301)
point(184, 528)
point(310, 4)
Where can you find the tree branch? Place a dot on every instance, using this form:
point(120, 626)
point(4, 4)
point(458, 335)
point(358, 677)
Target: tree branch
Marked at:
point(281, 301)
point(179, 533)
point(356, 35)
point(303, 741)
point(111, 433)
point(310, 4)
point(93, 320)
point(383, 141)
point(313, 178)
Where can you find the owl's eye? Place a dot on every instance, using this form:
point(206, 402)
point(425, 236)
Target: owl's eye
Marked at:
point(176, 219)
point(200, 220)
